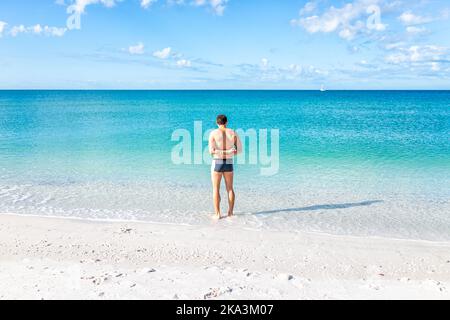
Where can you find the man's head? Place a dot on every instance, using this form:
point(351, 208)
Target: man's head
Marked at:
point(222, 120)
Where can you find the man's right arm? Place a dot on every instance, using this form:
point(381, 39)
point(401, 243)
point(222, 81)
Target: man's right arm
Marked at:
point(211, 144)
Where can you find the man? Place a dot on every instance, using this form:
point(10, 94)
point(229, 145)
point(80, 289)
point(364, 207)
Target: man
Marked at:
point(224, 144)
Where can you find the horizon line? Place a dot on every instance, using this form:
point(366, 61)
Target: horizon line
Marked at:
point(218, 89)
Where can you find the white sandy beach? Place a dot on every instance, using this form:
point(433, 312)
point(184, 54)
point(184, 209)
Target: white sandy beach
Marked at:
point(50, 258)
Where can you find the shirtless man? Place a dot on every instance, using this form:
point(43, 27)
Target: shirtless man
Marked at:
point(224, 144)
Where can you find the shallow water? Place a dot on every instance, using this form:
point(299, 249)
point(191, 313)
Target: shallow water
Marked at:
point(360, 163)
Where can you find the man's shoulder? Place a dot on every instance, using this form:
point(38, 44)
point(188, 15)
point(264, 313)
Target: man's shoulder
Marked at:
point(233, 133)
point(213, 133)
point(216, 132)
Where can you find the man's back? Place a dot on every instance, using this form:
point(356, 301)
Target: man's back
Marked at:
point(224, 139)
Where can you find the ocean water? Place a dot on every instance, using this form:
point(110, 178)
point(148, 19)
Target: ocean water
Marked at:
point(362, 163)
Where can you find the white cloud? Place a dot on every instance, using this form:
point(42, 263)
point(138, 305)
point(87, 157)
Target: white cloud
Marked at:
point(295, 69)
point(395, 45)
point(80, 5)
point(175, 58)
point(417, 54)
point(172, 2)
point(415, 30)
point(38, 30)
point(308, 8)
point(2, 27)
point(435, 66)
point(147, 3)
point(54, 31)
point(218, 6)
point(163, 54)
point(16, 30)
point(409, 19)
point(264, 63)
point(183, 63)
point(274, 73)
point(350, 31)
point(347, 21)
point(137, 49)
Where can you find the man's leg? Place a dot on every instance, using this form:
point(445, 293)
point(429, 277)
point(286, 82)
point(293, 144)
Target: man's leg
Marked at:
point(216, 179)
point(230, 190)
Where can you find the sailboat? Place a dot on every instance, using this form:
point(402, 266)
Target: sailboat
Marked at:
point(322, 88)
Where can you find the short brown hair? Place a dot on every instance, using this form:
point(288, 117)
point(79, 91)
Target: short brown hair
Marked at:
point(222, 120)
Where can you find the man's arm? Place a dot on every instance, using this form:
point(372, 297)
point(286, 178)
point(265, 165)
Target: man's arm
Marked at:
point(238, 144)
point(212, 144)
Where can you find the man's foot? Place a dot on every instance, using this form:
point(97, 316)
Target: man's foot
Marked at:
point(230, 214)
point(217, 216)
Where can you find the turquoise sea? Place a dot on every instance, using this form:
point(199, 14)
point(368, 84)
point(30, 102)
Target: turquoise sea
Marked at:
point(362, 163)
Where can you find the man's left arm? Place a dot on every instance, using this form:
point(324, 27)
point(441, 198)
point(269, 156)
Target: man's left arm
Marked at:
point(238, 144)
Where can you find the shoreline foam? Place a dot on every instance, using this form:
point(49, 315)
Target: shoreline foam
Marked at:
point(237, 227)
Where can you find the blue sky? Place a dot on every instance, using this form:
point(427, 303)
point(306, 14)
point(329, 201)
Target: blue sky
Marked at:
point(225, 44)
